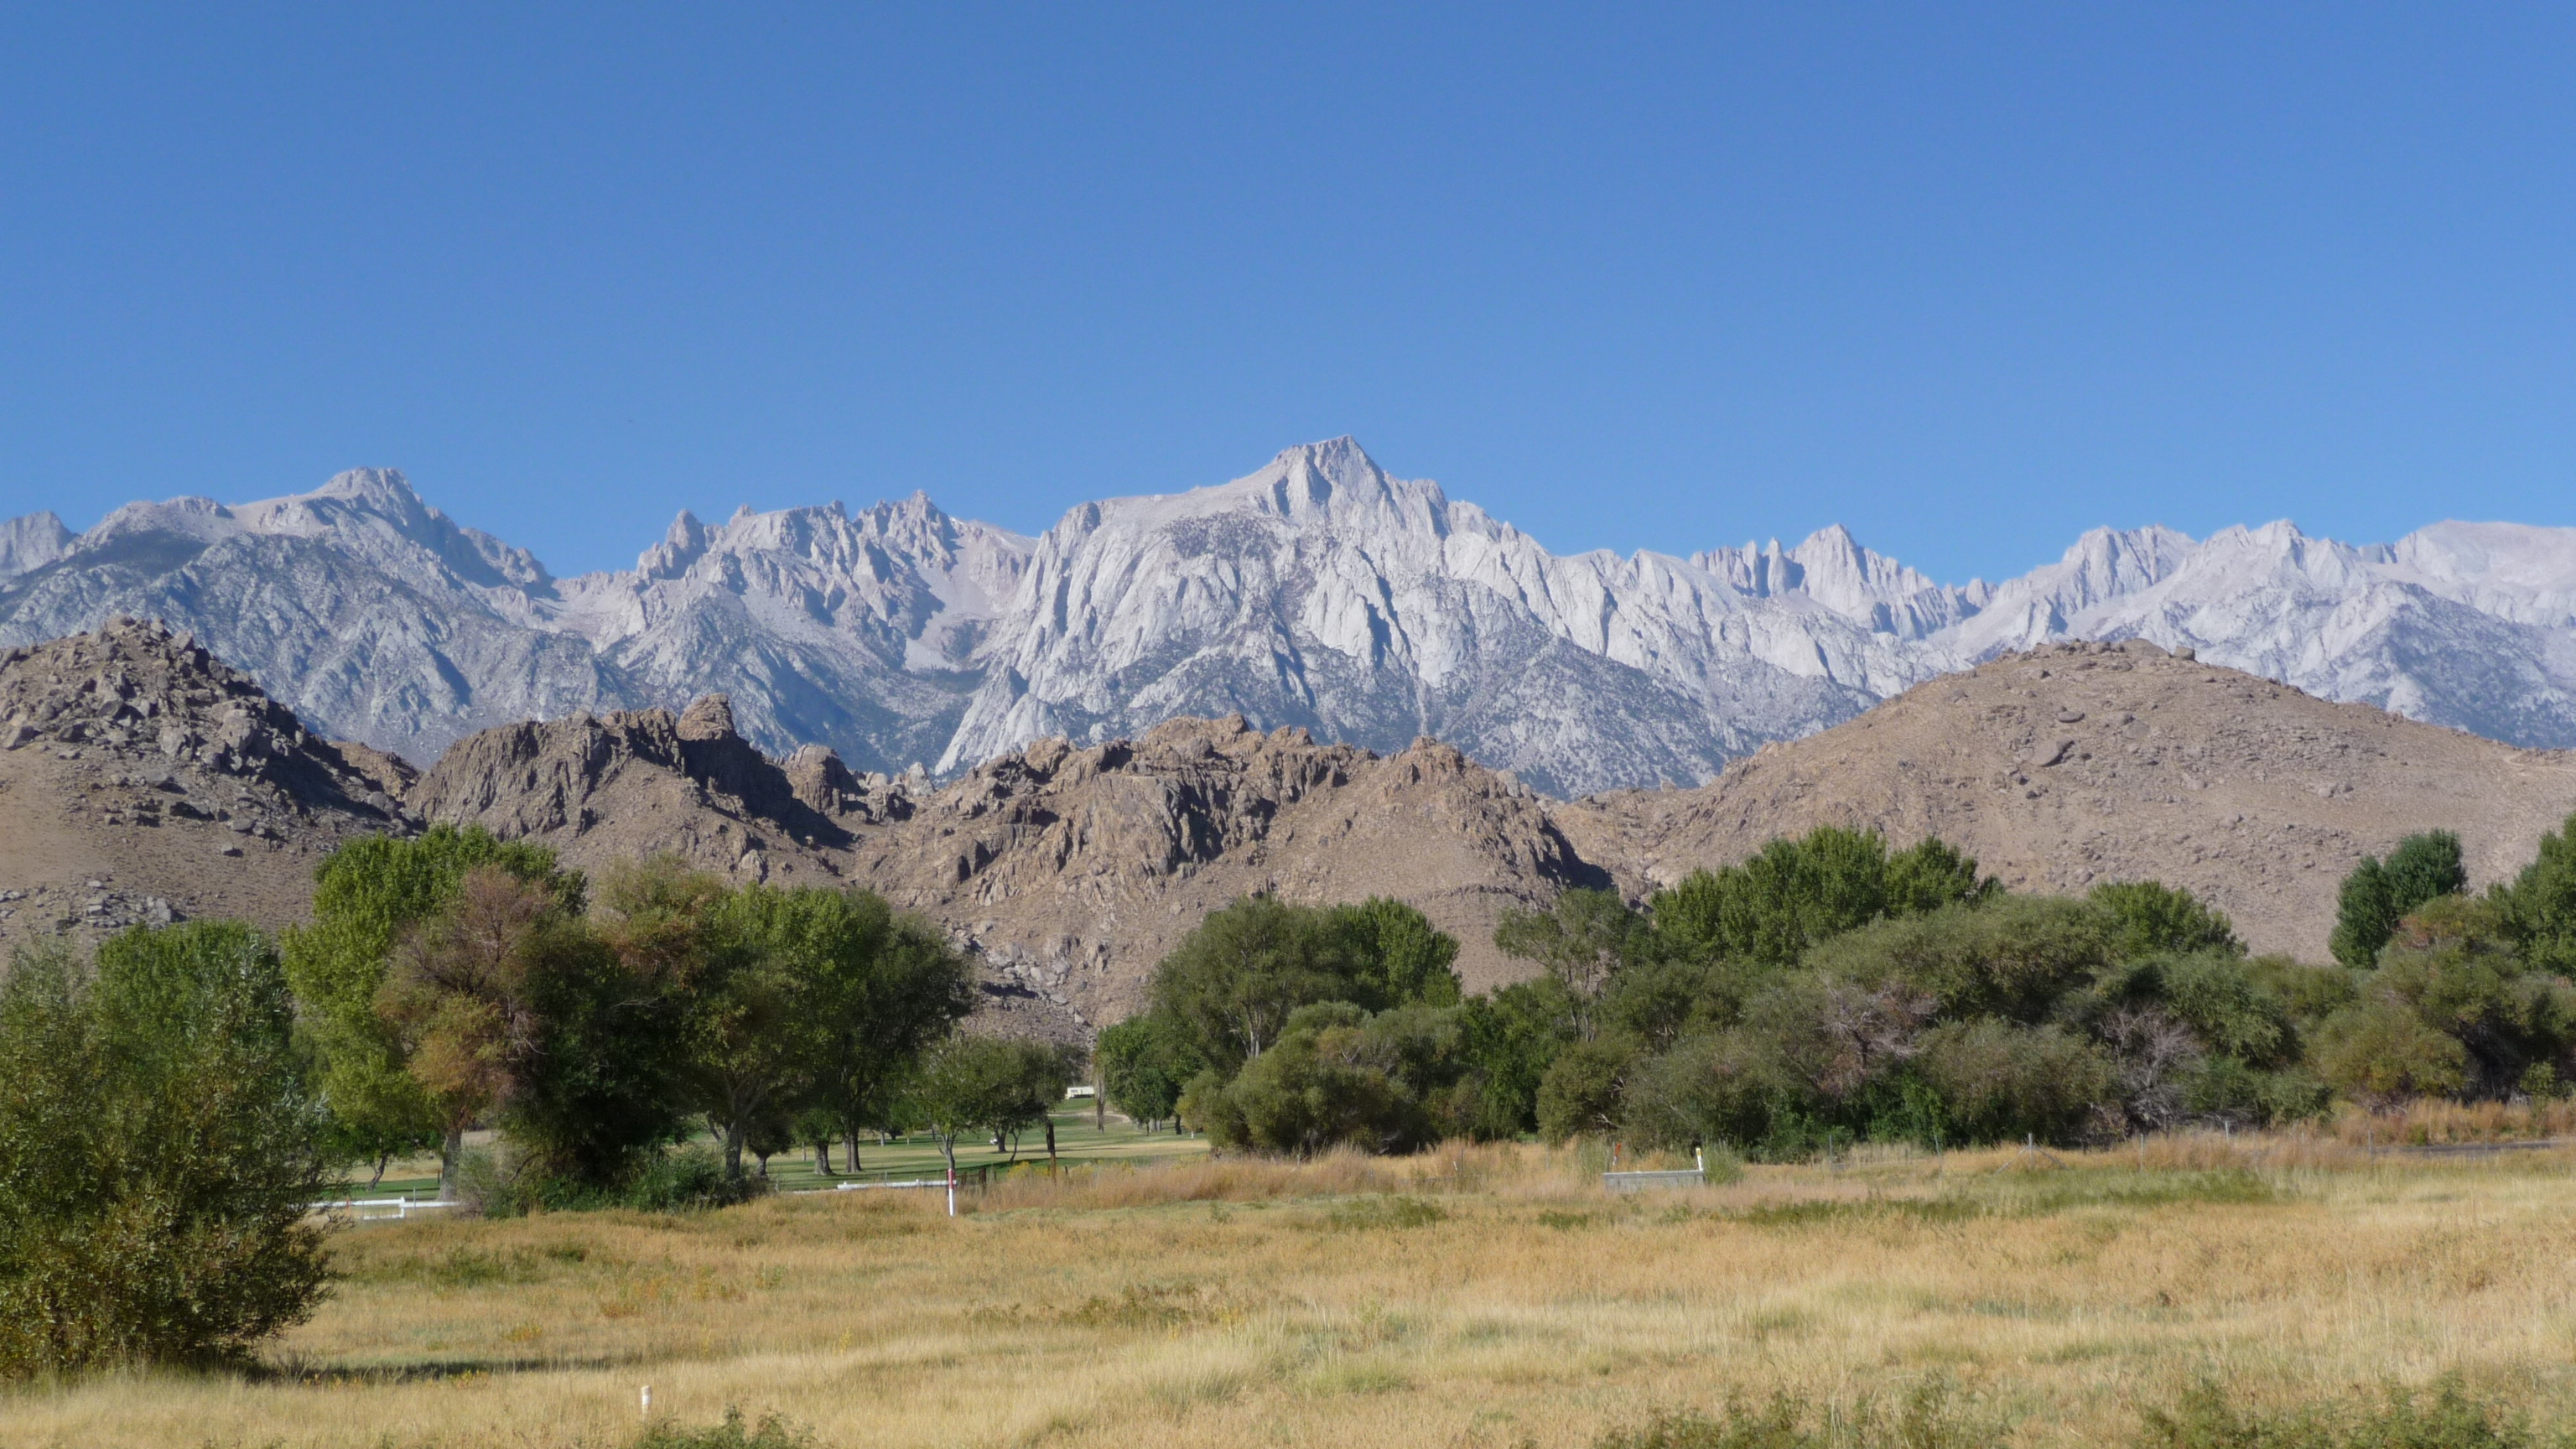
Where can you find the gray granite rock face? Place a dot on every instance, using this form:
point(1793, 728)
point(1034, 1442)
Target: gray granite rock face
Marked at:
point(1317, 592)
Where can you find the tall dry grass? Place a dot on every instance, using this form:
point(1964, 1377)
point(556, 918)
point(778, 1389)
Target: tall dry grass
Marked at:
point(1477, 1296)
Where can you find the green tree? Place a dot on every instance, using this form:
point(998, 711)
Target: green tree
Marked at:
point(508, 1007)
point(158, 1154)
point(1583, 941)
point(1584, 1088)
point(1794, 893)
point(2017, 957)
point(1998, 1080)
point(1146, 1062)
point(1398, 957)
point(2540, 906)
point(1509, 1038)
point(2375, 897)
point(973, 1085)
point(369, 895)
point(1232, 982)
point(2151, 918)
point(2451, 1010)
point(1332, 1084)
point(889, 988)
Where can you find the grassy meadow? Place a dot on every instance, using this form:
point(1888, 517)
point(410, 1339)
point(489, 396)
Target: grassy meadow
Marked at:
point(1473, 1296)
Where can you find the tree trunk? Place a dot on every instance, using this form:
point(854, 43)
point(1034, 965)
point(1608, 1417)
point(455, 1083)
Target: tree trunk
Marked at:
point(823, 1158)
point(451, 1157)
point(1050, 1141)
point(853, 1145)
point(381, 1162)
point(733, 1149)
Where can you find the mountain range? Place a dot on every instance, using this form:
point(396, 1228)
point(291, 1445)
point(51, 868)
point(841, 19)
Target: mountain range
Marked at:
point(1317, 592)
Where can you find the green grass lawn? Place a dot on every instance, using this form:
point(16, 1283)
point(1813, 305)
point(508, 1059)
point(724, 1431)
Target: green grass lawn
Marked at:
point(1077, 1140)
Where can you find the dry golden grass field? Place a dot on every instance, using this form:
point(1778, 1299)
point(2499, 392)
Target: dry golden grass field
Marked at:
point(1485, 1296)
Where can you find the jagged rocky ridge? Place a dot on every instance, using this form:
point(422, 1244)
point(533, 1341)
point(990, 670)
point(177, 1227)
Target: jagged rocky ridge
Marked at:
point(1068, 869)
point(1316, 593)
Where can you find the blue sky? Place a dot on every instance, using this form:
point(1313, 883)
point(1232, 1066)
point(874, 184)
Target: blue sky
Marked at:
point(1967, 279)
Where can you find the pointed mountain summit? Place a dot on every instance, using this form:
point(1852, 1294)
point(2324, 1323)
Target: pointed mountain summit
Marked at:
point(1317, 592)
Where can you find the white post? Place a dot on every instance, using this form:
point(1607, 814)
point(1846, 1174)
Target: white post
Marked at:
point(952, 1189)
point(647, 1397)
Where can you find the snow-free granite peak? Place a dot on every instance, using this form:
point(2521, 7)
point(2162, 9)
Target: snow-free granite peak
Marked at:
point(1317, 592)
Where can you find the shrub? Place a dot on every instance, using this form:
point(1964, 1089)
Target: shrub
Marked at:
point(158, 1152)
point(2381, 1050)
point(2375, 897)
point(1706, 1090)
point(2447, 1417)
point(2228, 1006)
point(771, 1432)
point(1997, 1081)
point(1932, 1415)
point(1581, 1092)
point(691, 1178)
point(2149, 918)
point(2012, 958)
point(1795, 893)
point(2451, 1011)
point(1328, 1083)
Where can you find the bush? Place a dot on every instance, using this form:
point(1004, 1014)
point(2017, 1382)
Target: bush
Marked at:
point(1930, 1416)
point(690, 1178)
point(2451, 1011)
point(2014, 958)
point(2381, 1051)
point(1580, 1094)
point(771, 1432)
point(1330, 1082)
point(1997, 1081)
point(2375, 897)
point(2447, 1417)
point(1795, 893)
point(1705, 1091)
point(158, 1153)
point(2229, 1007)
point(2149, 918)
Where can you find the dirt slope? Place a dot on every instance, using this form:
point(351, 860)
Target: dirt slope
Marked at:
point(142, 780)
point(1069, 871)
point(134, 760)
point(2080, 763)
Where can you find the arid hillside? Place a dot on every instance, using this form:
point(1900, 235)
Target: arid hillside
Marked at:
point(1069, 870)
point(2088, 762)
point(136, 761)
point(143, 780)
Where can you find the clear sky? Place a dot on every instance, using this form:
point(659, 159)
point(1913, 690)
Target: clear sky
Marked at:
point(1969, 279)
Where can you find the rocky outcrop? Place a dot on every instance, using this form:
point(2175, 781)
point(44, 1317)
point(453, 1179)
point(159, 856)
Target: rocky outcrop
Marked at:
point(632, 783)
point(142, 780)
point(135, 695)
point(1067, 869)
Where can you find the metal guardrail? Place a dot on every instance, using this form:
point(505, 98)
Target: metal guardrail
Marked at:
point(1639, 1181)
point(402, 1207)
